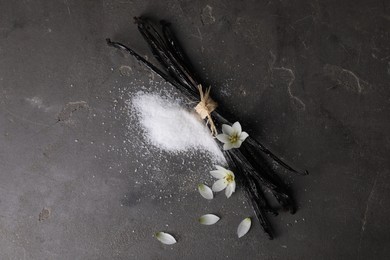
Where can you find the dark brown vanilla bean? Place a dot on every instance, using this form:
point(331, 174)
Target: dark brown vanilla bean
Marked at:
point(252, 170)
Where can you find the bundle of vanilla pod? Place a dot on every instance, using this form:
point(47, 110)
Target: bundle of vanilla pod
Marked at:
point(245, 155)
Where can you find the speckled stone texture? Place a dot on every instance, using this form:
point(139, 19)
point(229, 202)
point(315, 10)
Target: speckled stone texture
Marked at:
point(309, 79)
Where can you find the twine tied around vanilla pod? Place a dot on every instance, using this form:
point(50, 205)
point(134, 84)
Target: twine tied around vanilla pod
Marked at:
point(204, 108)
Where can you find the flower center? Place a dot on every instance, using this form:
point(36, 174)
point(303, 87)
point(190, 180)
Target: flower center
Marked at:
point(233, 138)
point(229, 178)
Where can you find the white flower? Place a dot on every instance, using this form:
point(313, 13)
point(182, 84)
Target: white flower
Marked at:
point(232, 136)
point(225, 180)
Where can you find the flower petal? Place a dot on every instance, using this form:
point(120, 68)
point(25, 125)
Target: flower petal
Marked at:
point(237, 128)
point(165, 238)
point(205, 191)
point(243, 136)
point(219, 185)
point(227, 146)
point(219, 167)
point(229, 190)
point(237, 144)
point(208, 219)
point(227, 130)
point(223, 138)
point(233, 184)
point(219, 174)
point(244, 227)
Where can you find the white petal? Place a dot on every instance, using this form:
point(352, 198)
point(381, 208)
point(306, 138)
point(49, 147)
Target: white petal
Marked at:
point(227, 130)
point(205, 191)
point(208, 219)
point(165, 238)
point(229, 190)
point(237, 128)
point(219, 174)
point(223, 138)
point(219, 185)
point(233, 184)
point(244, 227)
point(220, 168)
point(243, 136)
point(237, 144)
point(227, 146)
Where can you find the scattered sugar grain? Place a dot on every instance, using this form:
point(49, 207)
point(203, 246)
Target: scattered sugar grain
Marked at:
point(171, 127)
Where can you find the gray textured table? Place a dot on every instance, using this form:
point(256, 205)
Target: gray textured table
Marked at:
point(310, 79)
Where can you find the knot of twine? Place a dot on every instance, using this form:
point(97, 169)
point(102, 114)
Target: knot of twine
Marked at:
point(204, 108)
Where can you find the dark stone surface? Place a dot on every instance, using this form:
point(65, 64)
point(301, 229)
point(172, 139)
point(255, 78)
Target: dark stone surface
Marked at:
point(309, 78)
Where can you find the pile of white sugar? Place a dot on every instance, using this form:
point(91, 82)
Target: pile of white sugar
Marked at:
point(171, 127)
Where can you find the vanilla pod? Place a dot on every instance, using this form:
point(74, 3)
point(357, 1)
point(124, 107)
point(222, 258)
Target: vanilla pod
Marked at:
point(253, 173)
